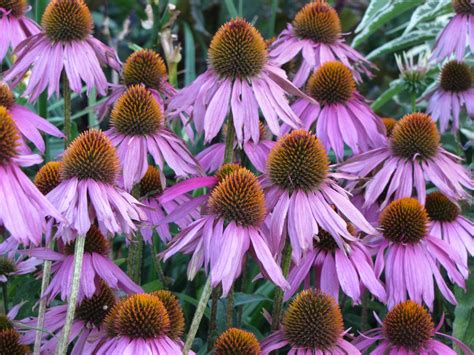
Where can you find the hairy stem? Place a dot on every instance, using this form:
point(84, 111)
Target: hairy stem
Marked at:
point(5, 296)
point(212, 332)
point(134, 260)
point(72, 301)
point(157, 263)
point(229, 312)
point(229, 142)
point(278, 297)
point(67, 110)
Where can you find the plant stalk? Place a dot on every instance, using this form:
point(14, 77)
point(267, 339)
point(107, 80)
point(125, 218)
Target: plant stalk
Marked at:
point(134, 260)
point(278, 297)
point(212, 332)
point(67, 110)
point(5, 296)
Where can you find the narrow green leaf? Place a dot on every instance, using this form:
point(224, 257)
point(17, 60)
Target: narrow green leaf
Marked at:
point(395, 87)
point(190, 55)
point(464, 313)
point(374, 7)
point(272, 20)
point(427, 12)
point(231, 9)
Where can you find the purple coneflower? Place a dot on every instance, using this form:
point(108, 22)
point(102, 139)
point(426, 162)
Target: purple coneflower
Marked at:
point(11, 341)
point(230, 227)
point(240, 79)
point(236, 341)
point(87, 192)
point(144, 324)
point(303, 197)
point(24, 209)
point(312, 324)
point(457, 34)
point(316, 33)
point(65, 43)
point(452, 93)
point(407, 329)
point(340, 112)
point(448, 224)
point(412, 156)
point(334, 269)
point(138, 129)
point(212, 158)
point(14, 25)
point(27, 122)
point(412, 257)
point(11, 266)
point(96, 266)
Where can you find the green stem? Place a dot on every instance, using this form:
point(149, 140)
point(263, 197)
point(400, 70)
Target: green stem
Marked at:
point(243, 283)
point(229, 142)
point(173, 73)
point(278, 297)
point(212, 333)
point(364, 316)
point(201, 308)
point(229, 312)
point(67, 110)
point(43, 303)
point(157, 263)
point(72, 301)
point(413, 102)
point(91, 116)
point(134, 260)
point(5, 296)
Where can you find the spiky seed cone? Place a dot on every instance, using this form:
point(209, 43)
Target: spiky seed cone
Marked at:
point(95, 243)
point(408, 325)
point(440, 208)
point(10, 343)
point(146, 67)
point(7, 99)
point(93, 310)
point(9, 137)
point(239, 198)
point(48, 177)
point(175, 312)
point(67, 20)
point(389, 124)
point(5, 323)
point(237, 50)
point(456, 77)
point(298, 161)
point(136, 112)
point(326, 241)
point(227, 169)
point(313, 320)
point(404, 221)
point(415, 134)
point(91, 156)
point(463, 7)
point(237, 342)
point(110, 320)
point(150, 184)
point(319, 22)
point(17, 8)
point(142, 316)
point(331, 83)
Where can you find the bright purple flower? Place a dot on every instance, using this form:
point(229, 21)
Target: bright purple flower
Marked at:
point(11, 266)
point(312, 324)
point(334, 269)
point(88, 193)
point(448, 224)
point(27, 122)
point(24, 208)
point(65, 44)
point(212, 158)
point(458, 34)
point(411, 256)
point(407, 329)
point(453, 91)
point(96, 266)
point(341, 115)
point(14, 25)
point(230, 227)
point(240, 79)
point(138, 129)
point(316, 34)
point(302, 196)
point(412, 157)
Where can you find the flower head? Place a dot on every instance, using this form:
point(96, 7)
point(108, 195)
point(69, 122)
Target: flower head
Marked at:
point(237, 341)
point(318, 22)
point(10, 342)
point(144, 67)
point(16, 8)
point(48, 177)
point(92, 311)
point(9, 137)
point(389, 124)
point(174, 310)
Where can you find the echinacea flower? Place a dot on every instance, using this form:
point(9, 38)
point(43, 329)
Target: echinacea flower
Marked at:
point(334, 269)
point(230, 227)
point(447, 223)
point(212, 158)
point(240, 79)
point(312, 324)
point(88, 194)
point(144, 324)
point(411, 257)
point(27, 122)
point(236, 341)
point(407, 329)
point(453, 91)
point(65, 43)
point(316, 34)
point(24, 209)
point(138, 129)
point(143, 67)
point(412, 157)
point(340, 112)
point(303, 198)
point(16, 266)
point(88, 325)
point(96, 266)
point(151, 188)
point(458, 33)
point(14, 25)
point(11, 341)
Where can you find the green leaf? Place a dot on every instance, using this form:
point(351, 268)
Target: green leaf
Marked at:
point(374, 7)
point(231, 9)
point(464, 313)
point(427, 12)
point(190, 55)
point(395, 87)
point(242, 298)
point(388, 12)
